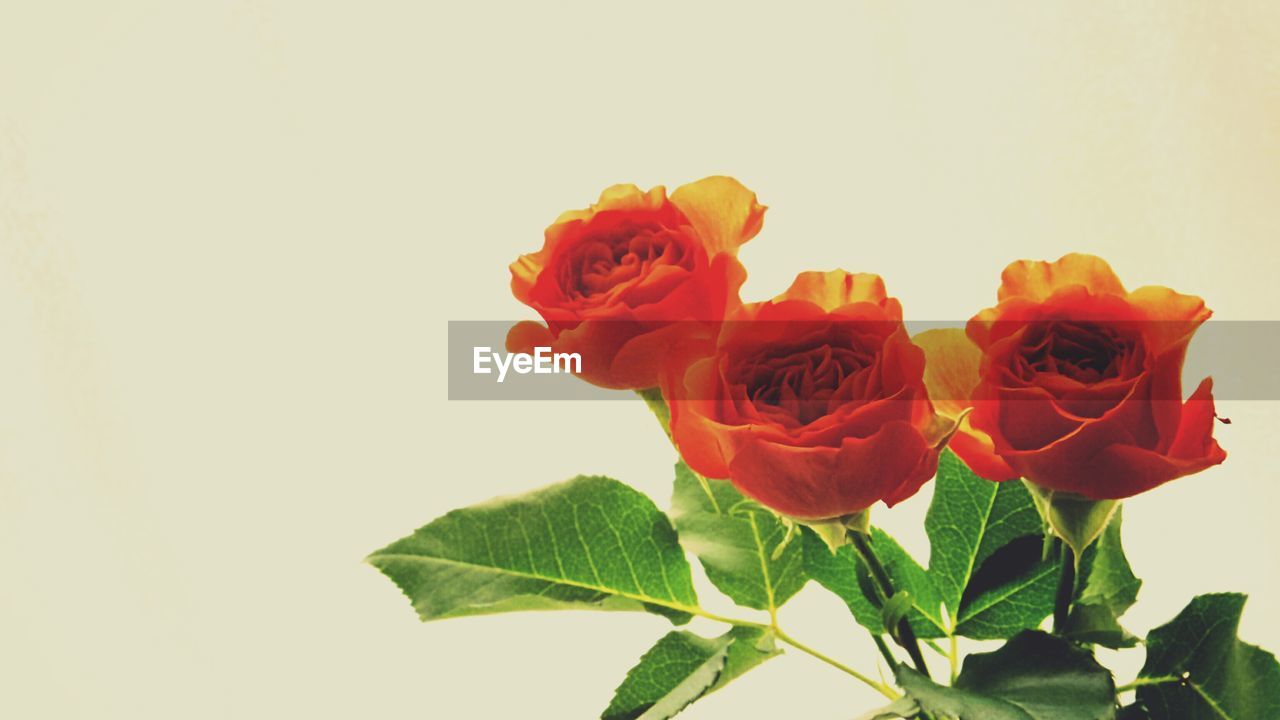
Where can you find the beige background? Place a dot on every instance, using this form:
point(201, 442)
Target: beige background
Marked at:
point(231, 235)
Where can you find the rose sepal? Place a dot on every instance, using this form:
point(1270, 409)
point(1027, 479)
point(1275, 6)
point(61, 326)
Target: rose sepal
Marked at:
point(1078, 520)
point(834, 532)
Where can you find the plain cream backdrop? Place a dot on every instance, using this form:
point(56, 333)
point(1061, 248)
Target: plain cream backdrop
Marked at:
point(231, 235)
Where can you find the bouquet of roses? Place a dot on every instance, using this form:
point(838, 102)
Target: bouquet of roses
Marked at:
point(793, 417)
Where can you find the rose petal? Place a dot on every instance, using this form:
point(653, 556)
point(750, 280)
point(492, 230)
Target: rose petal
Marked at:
point(1037, 280)
point(723, 211)
point(836, 288)
point(526, 335)
point(1169, 317)
point(1195, 433)
point(978, 451)
point(826, 482)
point(951, 368)
point(689, 385)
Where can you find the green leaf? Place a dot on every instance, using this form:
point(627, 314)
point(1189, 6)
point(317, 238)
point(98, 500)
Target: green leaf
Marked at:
point(740, 544)
point(1107, 588)
point(1035, 676)
point(985, 559)
point(843, 574)
point(590, 542)
point(1013, 591)
point(985, 562)
point(970, 519)
point(683, 667)
point(1210, 673)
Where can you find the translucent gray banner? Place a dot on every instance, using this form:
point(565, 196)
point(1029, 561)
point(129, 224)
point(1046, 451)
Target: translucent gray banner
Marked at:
point(1242, 357)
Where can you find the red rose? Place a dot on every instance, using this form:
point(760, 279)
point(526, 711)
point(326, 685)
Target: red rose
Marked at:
point(620, 282)
point(1075, 383)
point(813, 404)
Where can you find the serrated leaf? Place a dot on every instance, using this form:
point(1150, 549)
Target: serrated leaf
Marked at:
point(739, 543)
point(1034, 676)
point(969, 519)
point(845, 575)
point(985, 562)
point(590, 542)
point(677, 671)
point(1013, 591)
point(683, 667)
point(1211, 674)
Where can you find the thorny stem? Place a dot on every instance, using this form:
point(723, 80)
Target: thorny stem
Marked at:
point(884, 651)
point(906, 637)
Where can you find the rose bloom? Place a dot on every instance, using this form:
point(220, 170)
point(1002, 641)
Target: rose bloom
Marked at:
point(624, 280)
point(1076, 383)
point(813, 404)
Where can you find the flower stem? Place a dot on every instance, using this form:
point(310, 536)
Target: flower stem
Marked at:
point(884, 651)
point(1066, 588)
point(905, 636)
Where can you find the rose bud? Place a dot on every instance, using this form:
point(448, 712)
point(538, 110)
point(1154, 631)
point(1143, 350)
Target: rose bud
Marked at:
point(813, 404)
point(636, 273)
point(1076, 383)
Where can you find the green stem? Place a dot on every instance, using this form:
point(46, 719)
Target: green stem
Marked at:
point(884, 651)
point(877, 685)
point(653, 398)
point(721, 618)
point(1066, 588)
point(1144, 682)
point(906, 637)
point(953, 657)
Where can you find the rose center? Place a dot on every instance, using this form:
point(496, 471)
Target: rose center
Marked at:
point(1085, 352)
point(803, 383)
point(619, 257)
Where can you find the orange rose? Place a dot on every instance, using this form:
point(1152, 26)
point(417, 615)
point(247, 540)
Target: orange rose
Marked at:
point(634, 274)
point(1076, 383)
point(814, 404)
